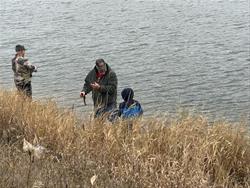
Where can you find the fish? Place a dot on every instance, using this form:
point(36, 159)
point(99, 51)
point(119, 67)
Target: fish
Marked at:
point(84, 100)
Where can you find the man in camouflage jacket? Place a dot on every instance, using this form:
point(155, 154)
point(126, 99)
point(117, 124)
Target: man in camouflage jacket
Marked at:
point(23, 70)
point(102, 81)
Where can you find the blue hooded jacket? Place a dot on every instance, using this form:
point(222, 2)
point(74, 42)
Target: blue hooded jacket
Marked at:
point(129, 108)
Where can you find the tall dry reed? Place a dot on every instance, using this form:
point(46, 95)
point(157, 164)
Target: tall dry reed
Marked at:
point(181, 152)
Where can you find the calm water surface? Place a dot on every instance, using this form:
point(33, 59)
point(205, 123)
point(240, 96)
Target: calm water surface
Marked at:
point(184, 53)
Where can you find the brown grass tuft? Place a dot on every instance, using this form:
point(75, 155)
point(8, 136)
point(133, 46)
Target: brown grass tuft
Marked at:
point(181, 152)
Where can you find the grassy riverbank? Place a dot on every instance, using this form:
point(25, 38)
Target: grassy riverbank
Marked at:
point(181, 152)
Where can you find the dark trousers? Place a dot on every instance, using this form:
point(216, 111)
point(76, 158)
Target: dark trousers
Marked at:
point(24, 87)
point(104, 110)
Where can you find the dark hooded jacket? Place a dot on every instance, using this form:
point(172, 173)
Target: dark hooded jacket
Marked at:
point(107, 94)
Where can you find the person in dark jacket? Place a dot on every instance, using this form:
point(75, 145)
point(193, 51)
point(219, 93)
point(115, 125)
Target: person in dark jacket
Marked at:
point(102, 82)
point(129, 108)
point(23, 70)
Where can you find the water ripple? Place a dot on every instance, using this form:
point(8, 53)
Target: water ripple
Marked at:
point(173, 53)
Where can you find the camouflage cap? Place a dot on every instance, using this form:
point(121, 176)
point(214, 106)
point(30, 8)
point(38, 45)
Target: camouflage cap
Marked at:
point(20, 48)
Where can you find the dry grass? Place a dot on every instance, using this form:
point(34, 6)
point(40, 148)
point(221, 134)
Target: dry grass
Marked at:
point(181, 152)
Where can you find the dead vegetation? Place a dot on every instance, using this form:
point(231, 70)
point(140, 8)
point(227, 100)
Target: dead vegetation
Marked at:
point(182, 152)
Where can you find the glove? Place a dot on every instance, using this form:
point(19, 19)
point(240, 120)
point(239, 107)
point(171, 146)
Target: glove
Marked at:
point(35, 68)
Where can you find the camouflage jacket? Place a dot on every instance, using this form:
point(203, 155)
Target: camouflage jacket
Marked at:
point(22, 69)
point(107, 94)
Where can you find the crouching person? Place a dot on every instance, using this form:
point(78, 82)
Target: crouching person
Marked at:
point(129, 109)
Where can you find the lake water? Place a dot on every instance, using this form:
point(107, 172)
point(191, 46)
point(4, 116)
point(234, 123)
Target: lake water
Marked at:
point(192, 54)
